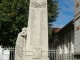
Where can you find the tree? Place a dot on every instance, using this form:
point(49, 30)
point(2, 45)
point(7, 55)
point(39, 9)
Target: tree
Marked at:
point(14, 16)
point(52, 11)
point(52, 15)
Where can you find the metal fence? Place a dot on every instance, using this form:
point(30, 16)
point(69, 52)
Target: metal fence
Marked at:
point(7, 53)
point(56, 55)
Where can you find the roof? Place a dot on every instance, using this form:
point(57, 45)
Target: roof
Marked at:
point(56, 30)
point(66, 26)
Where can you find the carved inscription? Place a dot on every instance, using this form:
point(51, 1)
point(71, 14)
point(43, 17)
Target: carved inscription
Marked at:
point(38, 5)
point(33, 26)
point(42, 26)
point(37, 53)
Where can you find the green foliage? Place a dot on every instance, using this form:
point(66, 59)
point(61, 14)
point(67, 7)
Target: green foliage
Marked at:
point(14, 16)
point(52, 11)
point(52, 15)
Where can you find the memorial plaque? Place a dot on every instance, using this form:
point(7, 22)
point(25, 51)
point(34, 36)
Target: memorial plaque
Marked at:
point(37, 53)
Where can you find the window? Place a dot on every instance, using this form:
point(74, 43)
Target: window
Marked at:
point(77, 5)
point(77, 28)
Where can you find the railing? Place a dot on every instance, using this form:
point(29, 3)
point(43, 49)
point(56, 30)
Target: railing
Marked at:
point(7, 53)
point(56, 55)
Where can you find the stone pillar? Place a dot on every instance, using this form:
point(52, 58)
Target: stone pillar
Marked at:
point(60, 49)
point(72, 40)
point(65, 45)
point(37, 36)
point(69, 41)
point(62, 44)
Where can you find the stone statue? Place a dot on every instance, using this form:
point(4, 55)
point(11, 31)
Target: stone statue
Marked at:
point(21, 44)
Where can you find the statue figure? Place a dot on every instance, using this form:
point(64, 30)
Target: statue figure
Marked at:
point(21, 44)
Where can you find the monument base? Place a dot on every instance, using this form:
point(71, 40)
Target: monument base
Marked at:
point(30, 55)
point(31, 58)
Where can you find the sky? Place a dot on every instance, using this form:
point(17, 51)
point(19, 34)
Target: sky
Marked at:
point(66, 13)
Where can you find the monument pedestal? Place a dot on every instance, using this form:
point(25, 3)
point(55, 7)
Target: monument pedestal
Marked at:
point(37, 53)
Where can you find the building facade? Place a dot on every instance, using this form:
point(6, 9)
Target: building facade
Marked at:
point(63, 42)
point(67, 40)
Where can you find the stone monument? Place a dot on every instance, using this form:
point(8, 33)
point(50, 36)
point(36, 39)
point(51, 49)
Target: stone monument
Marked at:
point(36, 47)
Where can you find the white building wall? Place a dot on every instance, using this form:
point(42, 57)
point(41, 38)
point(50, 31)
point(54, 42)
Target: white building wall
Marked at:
point(65, 44)
point(72, 40)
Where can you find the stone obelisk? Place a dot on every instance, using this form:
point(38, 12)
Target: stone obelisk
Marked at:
point(37, 34)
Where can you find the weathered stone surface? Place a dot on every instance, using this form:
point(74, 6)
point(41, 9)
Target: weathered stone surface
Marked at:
point(37, 36)
point(36, 47)
point(37, 53)
point(77, 28)
point(21, 44)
